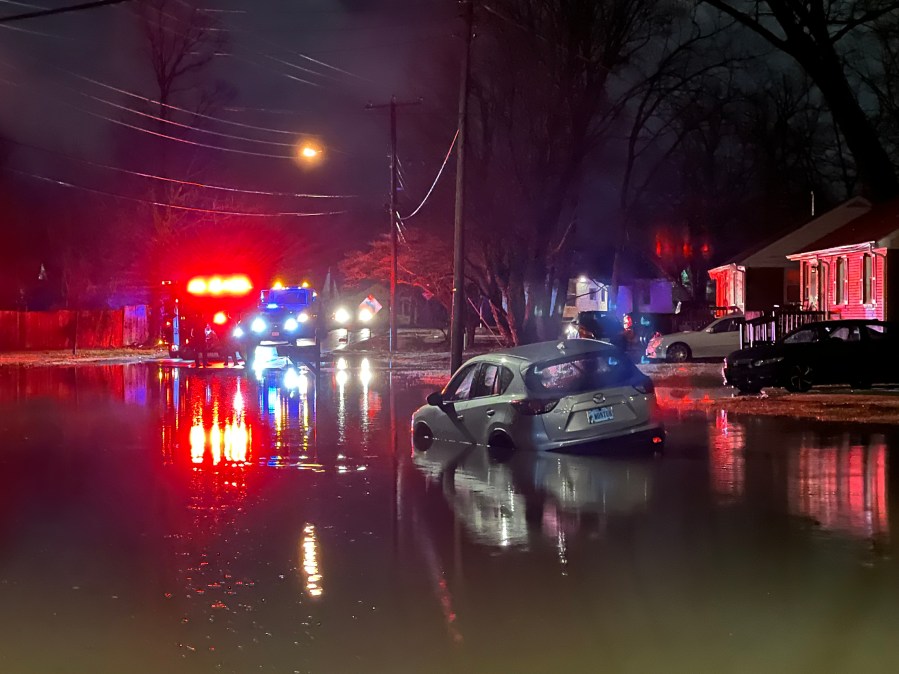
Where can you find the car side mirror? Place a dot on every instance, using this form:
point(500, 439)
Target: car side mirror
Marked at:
point(436, 399)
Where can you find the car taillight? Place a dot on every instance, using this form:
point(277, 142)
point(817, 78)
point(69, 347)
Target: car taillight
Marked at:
point(645, 386)
point(530, 408)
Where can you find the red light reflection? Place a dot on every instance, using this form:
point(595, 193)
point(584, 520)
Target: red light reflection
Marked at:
point(844, 487)
point(727, 462)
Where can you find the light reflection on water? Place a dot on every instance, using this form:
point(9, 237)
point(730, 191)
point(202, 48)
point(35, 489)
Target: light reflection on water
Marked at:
point(265, 527)
point(834, 479)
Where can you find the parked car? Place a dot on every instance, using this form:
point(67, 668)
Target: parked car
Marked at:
point(602, 326)
point(856, 352)
point(716, 340)
point(546, 396)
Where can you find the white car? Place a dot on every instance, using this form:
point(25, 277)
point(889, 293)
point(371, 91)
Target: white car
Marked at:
point(717, 340)
point(546, 396)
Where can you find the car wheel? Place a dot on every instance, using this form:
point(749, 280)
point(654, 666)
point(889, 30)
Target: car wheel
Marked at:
point(500, 447)
point(800, 378)
point(422, 437)
point(678, 353)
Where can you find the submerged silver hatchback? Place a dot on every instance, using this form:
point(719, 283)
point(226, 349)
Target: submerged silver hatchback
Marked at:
point(544, 397)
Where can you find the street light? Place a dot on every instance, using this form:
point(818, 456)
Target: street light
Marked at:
point(309, 152)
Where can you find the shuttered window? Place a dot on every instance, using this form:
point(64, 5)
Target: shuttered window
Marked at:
point(867, 279)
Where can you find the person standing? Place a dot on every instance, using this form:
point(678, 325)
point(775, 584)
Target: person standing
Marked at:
point(202, 340)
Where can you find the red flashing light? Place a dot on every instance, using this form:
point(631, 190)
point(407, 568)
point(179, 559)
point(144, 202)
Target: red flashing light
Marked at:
point(197, 286)
point(218, 285)
point(656, 440)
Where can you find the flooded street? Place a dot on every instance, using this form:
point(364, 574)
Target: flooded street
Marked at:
point(157, 519)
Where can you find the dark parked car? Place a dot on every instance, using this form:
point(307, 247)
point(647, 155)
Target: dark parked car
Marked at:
point(855, 352)
point(602, 326)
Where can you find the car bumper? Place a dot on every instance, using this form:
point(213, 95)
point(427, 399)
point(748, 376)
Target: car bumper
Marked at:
point(751, 377)
point(645, 435)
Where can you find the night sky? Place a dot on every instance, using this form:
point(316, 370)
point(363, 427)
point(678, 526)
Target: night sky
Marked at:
point(54, 71)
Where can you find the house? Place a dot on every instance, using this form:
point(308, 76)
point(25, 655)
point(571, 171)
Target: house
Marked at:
point(645, 296)
point(848, 271)
point(766, 277)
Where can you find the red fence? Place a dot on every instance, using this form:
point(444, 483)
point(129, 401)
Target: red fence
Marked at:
point(39, 330)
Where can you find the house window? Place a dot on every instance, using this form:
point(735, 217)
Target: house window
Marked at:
point(811, 288)
point(839, 295)
point(823, 286)
point(867, 279)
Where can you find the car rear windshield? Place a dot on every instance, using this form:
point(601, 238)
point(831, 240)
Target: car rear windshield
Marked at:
point(576, 374)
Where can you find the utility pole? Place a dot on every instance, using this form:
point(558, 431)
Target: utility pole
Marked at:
point(457, 333)
point(392, 216)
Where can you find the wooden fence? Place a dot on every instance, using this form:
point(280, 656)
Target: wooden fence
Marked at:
point(770, 326)
point(64, 329)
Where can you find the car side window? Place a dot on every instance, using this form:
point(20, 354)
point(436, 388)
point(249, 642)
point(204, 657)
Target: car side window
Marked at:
point(802, 337)
point(485, 381)
point(722, 326)
point(505, 378)
point(846, 333)
point(492, 381)
point(461, 385)
point(876, 332)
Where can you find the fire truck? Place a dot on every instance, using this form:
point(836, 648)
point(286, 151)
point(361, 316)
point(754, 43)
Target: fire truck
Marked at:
point(191, 307)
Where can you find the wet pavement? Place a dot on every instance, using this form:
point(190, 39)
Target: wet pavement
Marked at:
point(157, 519)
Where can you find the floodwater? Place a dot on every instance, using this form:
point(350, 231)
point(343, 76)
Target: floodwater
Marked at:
point(164, 520)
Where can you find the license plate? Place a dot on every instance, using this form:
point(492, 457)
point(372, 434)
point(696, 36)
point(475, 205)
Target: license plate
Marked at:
point(600, 414)
point(275, 333)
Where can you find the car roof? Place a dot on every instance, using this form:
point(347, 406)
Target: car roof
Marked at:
point(559, 348)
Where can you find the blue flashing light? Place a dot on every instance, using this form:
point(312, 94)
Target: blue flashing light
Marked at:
point(271, 305)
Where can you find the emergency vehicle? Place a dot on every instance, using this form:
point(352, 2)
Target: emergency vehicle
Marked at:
point(287, 317)
point(204, 307)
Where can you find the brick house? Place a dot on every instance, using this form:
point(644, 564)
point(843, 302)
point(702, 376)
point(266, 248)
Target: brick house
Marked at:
point(765, 276)
point(850, 271)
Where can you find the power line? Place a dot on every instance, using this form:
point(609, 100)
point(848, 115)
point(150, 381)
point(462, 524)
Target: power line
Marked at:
point(434, 184)
point(148, 202)
point(175, 107)
point(168, 137)
point(183, 126)
point(188, 183)
point(59, 10)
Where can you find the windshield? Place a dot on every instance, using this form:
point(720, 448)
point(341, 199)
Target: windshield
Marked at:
point(287, 296)
point(586, 372)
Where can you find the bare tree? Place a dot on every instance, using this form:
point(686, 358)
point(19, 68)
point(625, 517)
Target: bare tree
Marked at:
point(820, 37)
point(541, 107)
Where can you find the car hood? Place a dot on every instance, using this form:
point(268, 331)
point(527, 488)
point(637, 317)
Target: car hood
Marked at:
point(677, 336)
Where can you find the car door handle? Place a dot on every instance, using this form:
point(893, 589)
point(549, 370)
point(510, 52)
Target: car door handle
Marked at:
point(490, 413)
